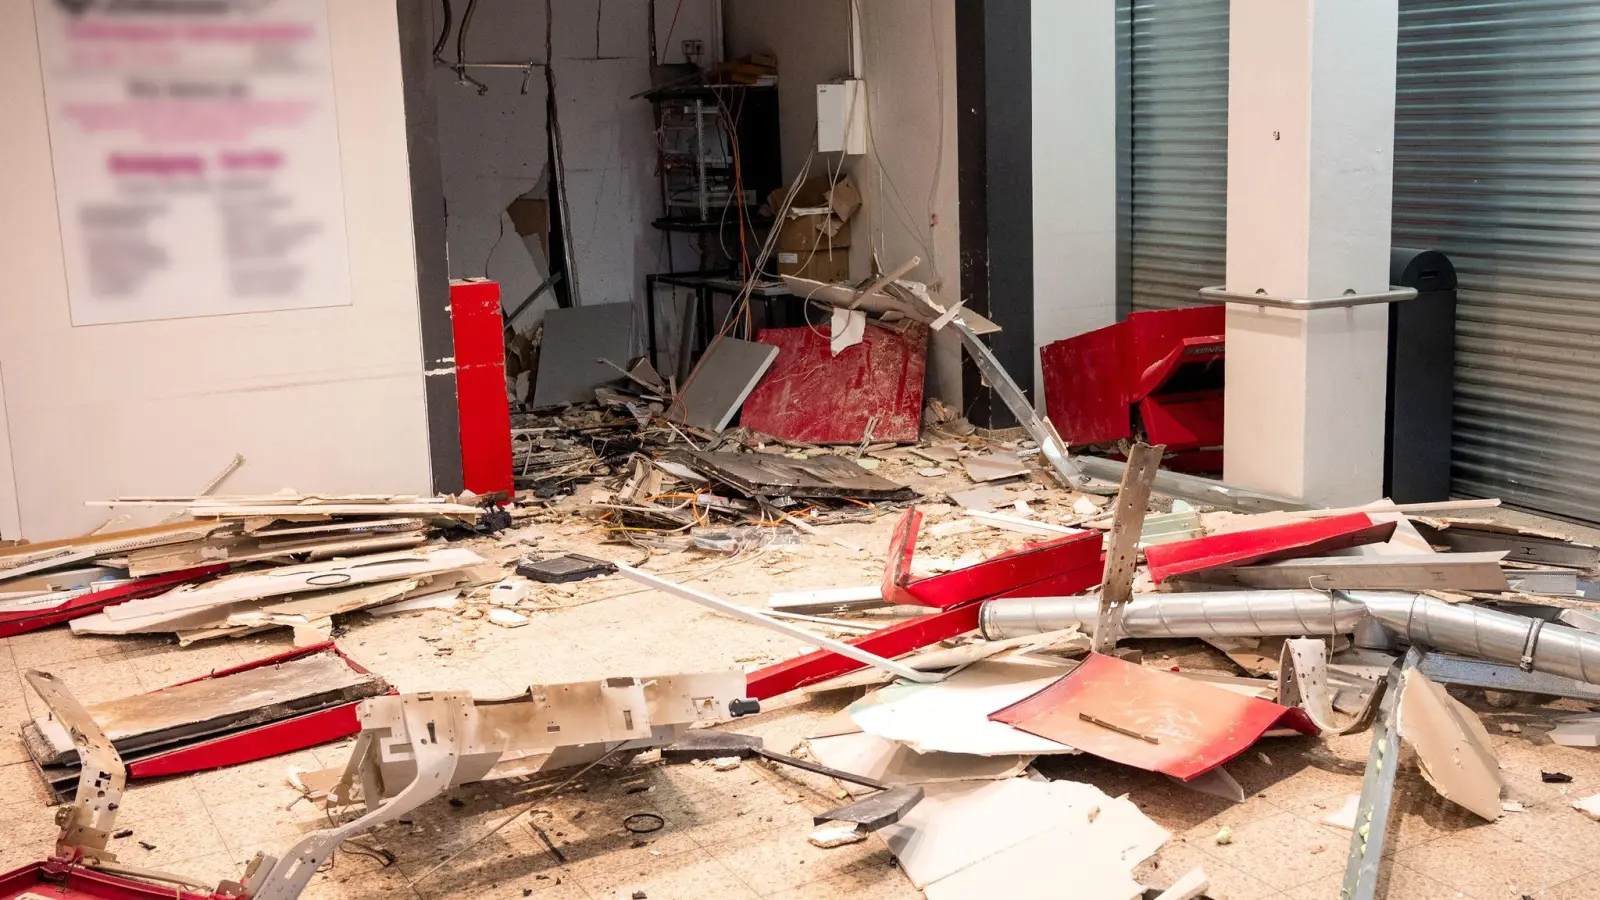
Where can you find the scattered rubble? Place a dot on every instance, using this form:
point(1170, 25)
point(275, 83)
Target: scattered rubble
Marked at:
point(1023, 609)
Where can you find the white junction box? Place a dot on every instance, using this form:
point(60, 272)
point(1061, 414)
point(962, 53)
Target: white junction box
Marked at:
point(842, 116)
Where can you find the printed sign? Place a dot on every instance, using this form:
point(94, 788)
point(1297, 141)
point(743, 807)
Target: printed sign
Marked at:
point(196, 153)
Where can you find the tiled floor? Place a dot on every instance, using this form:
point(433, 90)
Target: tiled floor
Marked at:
point(741, 834)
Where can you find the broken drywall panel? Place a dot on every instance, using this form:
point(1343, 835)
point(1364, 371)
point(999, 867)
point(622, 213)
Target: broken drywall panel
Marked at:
point(575, 340)
point(608, 152)
point(493, 148)
point(891, 762)
point(1023, 839)
point(1452, 744)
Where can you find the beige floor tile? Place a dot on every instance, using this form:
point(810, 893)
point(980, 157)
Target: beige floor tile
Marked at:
point(211, 869)
point(160, 800)
point(357, 878)
point(262, 778)
point(1282, 850)
point(1487, 865)
point(1418, 815)
point(877, 882)
point(165, 842)
point(1395, 882)
point(91, 679)
point(783, 859)
point(711, 819)
point(1181, 810)
point(20, 785)
point(53, 646)
point(686, 876)
point(1584, 887)
point(1227, 882)
point(1555, 828)
point(15, 855)
point(157, 667)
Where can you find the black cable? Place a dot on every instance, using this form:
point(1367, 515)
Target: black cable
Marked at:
point(444, 32)
point(461, 35)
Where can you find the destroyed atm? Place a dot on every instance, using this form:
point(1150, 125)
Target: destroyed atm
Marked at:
point(1158, 376)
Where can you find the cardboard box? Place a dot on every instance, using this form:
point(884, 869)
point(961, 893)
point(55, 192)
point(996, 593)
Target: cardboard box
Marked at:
point(818, 219)
point(826, 264)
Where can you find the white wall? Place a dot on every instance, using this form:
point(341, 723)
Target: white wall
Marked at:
point(1074, 169)
point(320, 399)
point(908, 180)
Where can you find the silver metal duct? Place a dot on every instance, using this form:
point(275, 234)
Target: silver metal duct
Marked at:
point(1456, 628)
point(1207, 614)
point(1488, 634)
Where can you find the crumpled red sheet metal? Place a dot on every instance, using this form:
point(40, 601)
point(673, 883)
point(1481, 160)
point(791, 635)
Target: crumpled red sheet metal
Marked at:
point(1059, 567)
point(26, 617)
point(1066, 566)
point(1196, 727)
point(1316, 537)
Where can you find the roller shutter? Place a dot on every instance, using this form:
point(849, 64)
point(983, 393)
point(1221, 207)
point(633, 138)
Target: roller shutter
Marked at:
point(1497, 163)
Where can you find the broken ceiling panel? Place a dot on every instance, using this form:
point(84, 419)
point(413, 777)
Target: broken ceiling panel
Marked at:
point(1452, 745)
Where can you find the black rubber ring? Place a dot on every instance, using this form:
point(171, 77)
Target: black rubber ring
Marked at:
point(660, 823)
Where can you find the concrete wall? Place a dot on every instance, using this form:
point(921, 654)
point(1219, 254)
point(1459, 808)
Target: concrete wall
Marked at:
point(1074, 169)
point(318, 399)
point(908, 178)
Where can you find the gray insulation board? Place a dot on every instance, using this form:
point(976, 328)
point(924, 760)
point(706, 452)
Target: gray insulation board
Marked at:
point(575, 340)
point(728, 373)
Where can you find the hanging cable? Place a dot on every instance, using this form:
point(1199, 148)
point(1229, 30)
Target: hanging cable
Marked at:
point(444, 31)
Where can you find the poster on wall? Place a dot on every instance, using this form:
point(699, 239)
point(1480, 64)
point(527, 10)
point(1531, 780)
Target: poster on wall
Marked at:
point(196, 156)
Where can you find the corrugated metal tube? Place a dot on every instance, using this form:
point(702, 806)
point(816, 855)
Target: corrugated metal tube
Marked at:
point(1208, 614)
point(1457, 628)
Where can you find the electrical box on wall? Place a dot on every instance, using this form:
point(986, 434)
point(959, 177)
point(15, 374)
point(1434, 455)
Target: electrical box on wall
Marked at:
point(842, 117)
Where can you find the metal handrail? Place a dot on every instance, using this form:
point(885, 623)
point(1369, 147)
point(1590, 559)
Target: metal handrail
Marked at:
point(1220, 294)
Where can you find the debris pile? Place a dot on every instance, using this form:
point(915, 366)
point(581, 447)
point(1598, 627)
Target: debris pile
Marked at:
point(295, 560)
point(1031, 608)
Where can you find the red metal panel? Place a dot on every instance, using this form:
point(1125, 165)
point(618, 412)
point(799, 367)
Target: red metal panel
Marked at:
point(271, 739)
point(283, 736)
point(1066, 565)
point(1197, 726)
point(1317, 537)
point(23, 622)
point(67, 880)
point(813, 396)
point(1183, 422)
point(1153, 336)
point(890, 642)
point(1086, 388)
point(485, 414)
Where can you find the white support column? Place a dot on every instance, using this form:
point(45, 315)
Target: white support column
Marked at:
point(1310, 181)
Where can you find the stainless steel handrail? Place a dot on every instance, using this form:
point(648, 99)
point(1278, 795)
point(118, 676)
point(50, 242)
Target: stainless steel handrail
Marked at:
point(1221, 294)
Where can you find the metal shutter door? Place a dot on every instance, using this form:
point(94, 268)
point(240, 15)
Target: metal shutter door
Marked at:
point(1497, 163)
point(1178, 81)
